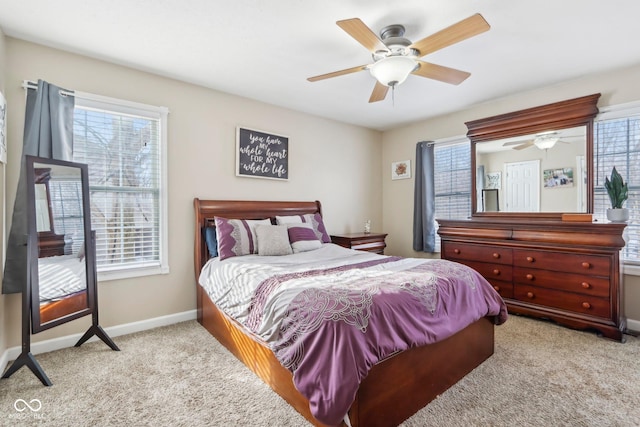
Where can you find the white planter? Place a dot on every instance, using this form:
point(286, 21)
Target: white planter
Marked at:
point(618, 215)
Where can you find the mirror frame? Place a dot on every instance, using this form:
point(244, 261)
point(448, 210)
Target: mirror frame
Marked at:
point(560, 115)
point(33, 163)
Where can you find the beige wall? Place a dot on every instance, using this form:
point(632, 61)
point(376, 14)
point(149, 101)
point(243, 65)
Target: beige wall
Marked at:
point(3, 309)
point(616, 87)
point(335, 163)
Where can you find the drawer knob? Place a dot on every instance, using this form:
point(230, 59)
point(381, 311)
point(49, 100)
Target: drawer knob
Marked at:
point(586, 265)
point(530, 259)
point(586, 305)
point(529, 276)
point(585, 285)
point(497, 288)
point(456, 251)
point(496, 255)
point(496, 272)
point(530, 295)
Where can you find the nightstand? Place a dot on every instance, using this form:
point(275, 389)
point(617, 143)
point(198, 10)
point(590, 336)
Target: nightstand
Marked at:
point(371, 242)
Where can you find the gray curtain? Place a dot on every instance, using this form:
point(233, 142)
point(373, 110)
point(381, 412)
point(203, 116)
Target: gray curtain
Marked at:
point(424, 203)
point(48, 132)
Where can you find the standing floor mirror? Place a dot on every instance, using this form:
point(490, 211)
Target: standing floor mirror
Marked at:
point(61, 255)
point(62, 263)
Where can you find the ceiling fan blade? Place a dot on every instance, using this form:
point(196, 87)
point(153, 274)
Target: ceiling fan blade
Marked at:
point(337, 73)
point(506, 144)
point(523, 145)
point(520, 145)
point(442, 73)
point(363, 34)
point(379, 92)
point(463, 30)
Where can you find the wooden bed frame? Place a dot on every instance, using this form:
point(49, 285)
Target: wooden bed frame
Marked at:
point(394, 389)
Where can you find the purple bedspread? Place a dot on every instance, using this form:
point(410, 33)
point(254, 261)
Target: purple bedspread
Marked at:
point(332, 336)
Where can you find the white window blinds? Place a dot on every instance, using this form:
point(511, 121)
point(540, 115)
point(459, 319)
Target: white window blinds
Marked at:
point(452, 179)
point(123, 148)
point(617, 143)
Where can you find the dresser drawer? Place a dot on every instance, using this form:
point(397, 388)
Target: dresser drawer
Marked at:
point(505, 289)
point(491, 271)
point(593, 265)
point(479, 253)
point(571, 282)
point(569, 301)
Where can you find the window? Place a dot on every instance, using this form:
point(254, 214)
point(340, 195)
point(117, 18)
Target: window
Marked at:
point(452, 179)
point(66, 198)
point(124, 146)
point(617, 143)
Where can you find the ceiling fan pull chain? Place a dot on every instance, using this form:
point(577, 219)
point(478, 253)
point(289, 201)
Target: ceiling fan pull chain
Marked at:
point(393, 95)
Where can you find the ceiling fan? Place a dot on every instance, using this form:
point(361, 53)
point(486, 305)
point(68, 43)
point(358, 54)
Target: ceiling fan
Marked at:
point(543, 141)
point(395, 57)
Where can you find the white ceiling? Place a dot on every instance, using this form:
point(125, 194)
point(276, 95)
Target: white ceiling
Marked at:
point(265, 50)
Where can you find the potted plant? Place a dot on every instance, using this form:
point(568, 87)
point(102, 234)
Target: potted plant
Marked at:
point(618, 194)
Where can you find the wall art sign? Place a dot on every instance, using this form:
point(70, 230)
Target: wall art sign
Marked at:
point(493, 180)
point(401, 169)
point(3, 129)
point(261, 154)
point(558, 178)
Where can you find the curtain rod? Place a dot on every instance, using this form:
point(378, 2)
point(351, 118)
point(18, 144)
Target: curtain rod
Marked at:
point(28, 84)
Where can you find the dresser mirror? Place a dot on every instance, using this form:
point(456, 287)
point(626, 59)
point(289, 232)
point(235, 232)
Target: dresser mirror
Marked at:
point(537, 162)
point(61, 256)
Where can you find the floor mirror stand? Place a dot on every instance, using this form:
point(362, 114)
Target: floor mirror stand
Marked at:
point(26, 358)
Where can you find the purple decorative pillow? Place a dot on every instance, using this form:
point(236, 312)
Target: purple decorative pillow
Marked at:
point(314, 219)
point(237, 237)
point(303, 238)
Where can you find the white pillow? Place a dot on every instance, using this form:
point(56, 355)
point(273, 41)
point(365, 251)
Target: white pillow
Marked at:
point(273, 240)
point(290, 219)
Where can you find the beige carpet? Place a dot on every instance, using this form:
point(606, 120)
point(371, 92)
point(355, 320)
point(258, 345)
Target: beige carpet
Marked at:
point(540, 375)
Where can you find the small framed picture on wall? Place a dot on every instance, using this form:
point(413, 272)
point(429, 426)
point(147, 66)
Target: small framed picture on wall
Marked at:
point(401, 169)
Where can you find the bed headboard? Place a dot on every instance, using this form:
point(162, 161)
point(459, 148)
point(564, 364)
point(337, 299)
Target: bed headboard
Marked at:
point(206, 210)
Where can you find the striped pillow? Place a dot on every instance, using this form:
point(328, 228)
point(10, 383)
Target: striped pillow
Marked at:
point(237, 237)
point(303, 238)
point(314, 219)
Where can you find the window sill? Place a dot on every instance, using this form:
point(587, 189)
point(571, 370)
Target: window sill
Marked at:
point(631, 269)
point(106, 276)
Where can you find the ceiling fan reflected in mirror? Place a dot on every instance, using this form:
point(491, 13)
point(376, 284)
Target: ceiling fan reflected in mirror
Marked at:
point(543, 141)
point(395, 57)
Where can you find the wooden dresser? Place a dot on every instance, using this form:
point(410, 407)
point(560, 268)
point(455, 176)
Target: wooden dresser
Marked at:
point(568, 272)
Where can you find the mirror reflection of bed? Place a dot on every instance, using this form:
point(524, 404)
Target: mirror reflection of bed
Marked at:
point(62, 277)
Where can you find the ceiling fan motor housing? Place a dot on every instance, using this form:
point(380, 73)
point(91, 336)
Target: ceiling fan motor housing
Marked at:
point(392, 37)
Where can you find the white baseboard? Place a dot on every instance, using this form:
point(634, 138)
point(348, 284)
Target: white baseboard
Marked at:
point(633, 325)
point(113, 331)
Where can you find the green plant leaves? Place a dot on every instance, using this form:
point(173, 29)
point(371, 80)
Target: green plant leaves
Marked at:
point(616, 188)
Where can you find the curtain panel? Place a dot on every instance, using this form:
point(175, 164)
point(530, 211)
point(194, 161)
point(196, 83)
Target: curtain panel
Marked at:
point(48, 132)
point(424, 204)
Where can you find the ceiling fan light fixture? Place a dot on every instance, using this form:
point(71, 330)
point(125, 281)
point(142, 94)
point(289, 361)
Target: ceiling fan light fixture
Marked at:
point(393, 70)
point(544, 142)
